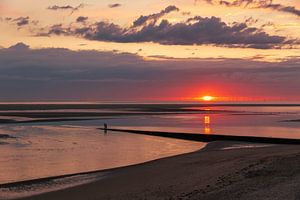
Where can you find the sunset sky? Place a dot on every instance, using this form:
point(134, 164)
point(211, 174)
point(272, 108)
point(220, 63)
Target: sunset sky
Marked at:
point(149, 50)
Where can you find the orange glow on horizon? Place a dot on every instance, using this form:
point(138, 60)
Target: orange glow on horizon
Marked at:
point(209, 98)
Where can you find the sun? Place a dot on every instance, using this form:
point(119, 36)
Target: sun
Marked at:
point(208, 98)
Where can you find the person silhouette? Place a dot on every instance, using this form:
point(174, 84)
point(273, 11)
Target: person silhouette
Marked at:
point(105, 128)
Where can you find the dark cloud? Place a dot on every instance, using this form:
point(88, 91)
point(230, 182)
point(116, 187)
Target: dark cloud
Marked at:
point(194, 31)
point(66, 7)
point(268, 4)
point(81, 19)
point(115, 5)
point(142, 20)
point(19, 47)
point(53, 73)
point(20, 21)
point(58, 29)
point(55, 7)
point(251, 20)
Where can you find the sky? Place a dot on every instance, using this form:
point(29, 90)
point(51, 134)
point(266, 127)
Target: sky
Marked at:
point(149, 50)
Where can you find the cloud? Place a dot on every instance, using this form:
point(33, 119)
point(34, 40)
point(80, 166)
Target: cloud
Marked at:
point(19, 47)
point(194, 31)
point(66, 7)
point(154, 17)
point(81, 19)
point(58, 29)
point(20, 21)
point(53, 73)
point(266, 4)
point(156, 28)
point(115, 5)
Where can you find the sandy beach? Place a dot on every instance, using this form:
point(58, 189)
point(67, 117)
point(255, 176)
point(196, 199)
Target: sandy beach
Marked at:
point(216, 172)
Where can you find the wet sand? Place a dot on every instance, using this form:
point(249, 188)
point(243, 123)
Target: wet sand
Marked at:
point(268, 172)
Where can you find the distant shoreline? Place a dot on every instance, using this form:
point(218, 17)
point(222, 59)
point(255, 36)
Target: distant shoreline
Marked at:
point(52, 106)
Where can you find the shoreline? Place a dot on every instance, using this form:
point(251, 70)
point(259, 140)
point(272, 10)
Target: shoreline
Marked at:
point(174, 166)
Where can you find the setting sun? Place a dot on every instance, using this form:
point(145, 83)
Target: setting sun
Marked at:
point(207, 98)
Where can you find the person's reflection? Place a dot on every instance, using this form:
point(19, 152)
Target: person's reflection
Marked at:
point(207, 129)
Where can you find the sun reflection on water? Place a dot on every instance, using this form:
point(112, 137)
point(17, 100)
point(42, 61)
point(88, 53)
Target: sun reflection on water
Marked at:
point(207, 129)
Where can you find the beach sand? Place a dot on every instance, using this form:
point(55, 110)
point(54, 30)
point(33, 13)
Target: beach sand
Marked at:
point(268, 172)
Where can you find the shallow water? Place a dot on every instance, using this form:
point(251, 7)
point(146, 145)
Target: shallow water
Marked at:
point(51, 150)
point(248, 121)
point(55, 148)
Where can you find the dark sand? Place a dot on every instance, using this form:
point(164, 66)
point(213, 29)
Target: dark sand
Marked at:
point(271, 172)
point(5, 136)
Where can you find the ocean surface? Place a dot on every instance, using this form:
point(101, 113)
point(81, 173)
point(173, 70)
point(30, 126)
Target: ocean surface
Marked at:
point(45, 140)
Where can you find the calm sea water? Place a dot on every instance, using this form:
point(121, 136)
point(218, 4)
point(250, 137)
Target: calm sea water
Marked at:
point(56, 148)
